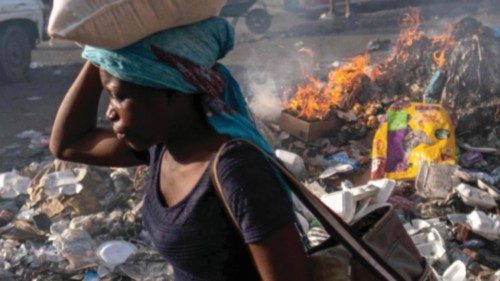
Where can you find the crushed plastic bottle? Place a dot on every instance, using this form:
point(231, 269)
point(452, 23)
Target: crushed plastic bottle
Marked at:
point(77, 247)
point(292, 161)
point(64, 182)
point(115, 252)
point(12, 184)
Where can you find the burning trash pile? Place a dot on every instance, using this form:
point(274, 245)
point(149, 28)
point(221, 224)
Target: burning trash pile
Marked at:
point(418, 131)
point(459, 68)
point(65, 221)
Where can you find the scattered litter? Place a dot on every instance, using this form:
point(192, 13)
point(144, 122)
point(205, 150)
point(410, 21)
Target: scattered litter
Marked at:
point(292, 161)
point(114, 253)
point(484, 225)
point(29, 134)
point(455, 272)
point(34, 98)
point(12, 185)
point(475, 197)
point(378, 45)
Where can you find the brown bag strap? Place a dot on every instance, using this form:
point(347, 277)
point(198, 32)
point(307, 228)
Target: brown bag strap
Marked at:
point(333, 224)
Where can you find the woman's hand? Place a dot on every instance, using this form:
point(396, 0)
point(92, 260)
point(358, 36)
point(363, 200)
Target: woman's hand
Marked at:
point(281, 256)
point(75, 136)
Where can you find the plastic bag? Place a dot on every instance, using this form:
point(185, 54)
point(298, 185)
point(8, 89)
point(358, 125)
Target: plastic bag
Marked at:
point(77, 247)
point(413, 133)
point(113, 24)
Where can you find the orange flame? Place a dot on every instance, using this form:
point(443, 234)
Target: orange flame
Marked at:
point(343, 80)
point(445, 42)
point(307, 101)
point(314, 100)
point(408, 36)
point(439, 58)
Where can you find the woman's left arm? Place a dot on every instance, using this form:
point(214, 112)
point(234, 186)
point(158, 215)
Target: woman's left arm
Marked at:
point(281, 256)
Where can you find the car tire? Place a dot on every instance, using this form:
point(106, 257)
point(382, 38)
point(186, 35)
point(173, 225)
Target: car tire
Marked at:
point(258, 21)
point(15, 52)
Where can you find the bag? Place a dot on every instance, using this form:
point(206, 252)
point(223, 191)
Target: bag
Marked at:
point(414, 133)
point(113, 24)
point(376, 247)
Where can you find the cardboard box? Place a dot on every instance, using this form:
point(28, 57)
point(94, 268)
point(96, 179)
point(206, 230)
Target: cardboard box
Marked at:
point(305, 130)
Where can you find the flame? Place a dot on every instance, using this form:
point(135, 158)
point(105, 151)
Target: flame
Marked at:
point(308, 102)
point(314, 100)
point(444, 42)
point(408, 36)
point(439, 58)
point(343, 80)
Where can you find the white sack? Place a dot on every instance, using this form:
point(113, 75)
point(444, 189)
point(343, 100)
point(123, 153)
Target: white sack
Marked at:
point(114, 24)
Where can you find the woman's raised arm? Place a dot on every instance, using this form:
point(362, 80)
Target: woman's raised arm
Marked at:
point(75, 136)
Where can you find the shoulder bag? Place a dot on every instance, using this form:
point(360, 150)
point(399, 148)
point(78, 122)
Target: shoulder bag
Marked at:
point(376, 247)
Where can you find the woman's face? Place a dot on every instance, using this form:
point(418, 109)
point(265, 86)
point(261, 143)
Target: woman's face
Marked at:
point(138, 114)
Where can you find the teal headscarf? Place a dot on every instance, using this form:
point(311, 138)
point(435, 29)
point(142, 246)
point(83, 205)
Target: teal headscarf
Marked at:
point(202, 43)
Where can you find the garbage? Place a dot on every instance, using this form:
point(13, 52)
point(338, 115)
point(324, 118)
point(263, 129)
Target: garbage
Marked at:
point(91, 276)
point(12, 184)
point(342, 158)
point(432, 251)
point(492, 190)
point(77, 247)
point(432, 236)
point(342, 203)
point(29, 134)
point(475, 197)
point(471, 159)
point(435, 180)
point(432, 93)
point(146, 265)
point(63, 182)
point(484, 225)
point(378, 44)
point(116, 252)
point(337, 169)
point(292, 161)
point(409, 138)
point(455, 272)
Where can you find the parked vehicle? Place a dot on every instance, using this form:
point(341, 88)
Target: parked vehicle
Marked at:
point(258, 20)
point(21, 28)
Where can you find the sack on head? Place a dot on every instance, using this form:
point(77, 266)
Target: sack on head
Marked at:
point(113, 24)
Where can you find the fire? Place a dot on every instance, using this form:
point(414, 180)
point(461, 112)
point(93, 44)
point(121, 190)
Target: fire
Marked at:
point(308, 102)
point(314, 100)
point(342, 81)
point(444, 42)
point(439, 58)
point(408, 36)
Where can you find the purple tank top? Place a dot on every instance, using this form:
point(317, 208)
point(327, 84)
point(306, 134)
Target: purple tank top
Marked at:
point(196, 236)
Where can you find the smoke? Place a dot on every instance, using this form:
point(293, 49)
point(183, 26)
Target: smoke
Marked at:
point(272, 75)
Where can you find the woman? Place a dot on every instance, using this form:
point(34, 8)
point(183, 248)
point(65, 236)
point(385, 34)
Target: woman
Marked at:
point(172, 107)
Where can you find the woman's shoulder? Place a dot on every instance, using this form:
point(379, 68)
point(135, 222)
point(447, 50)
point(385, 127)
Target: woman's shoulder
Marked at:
point(241, 155)
point(243, 165)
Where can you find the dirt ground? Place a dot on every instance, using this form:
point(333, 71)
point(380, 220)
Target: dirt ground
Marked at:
point(32, 103)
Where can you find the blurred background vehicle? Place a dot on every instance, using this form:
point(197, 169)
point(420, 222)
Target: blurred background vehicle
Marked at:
point(22, 25)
